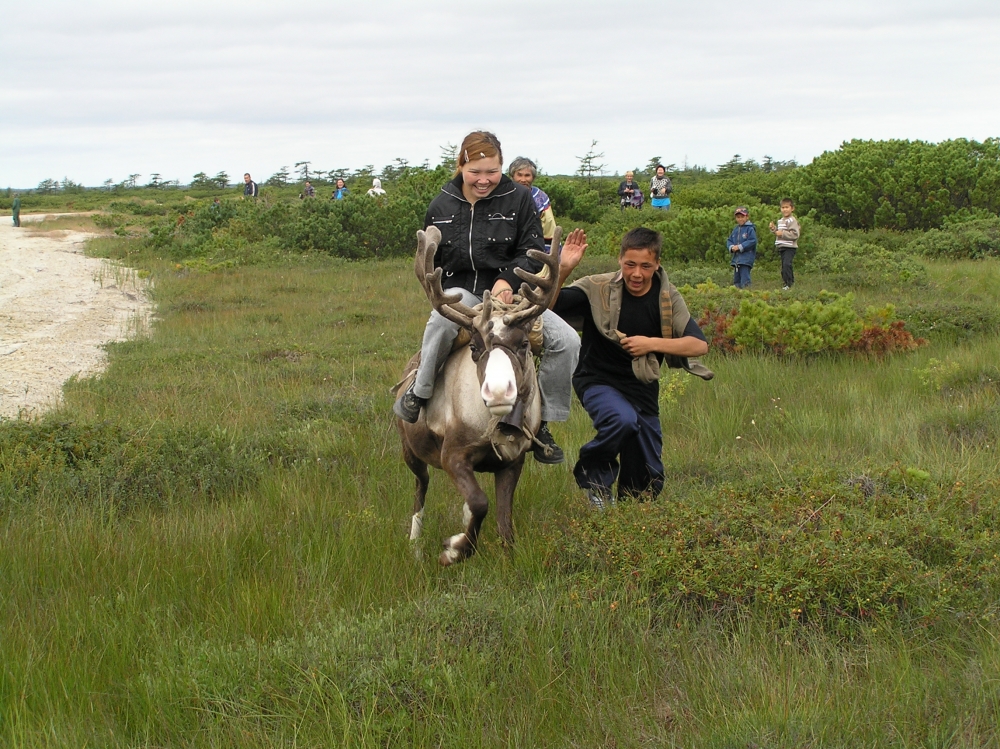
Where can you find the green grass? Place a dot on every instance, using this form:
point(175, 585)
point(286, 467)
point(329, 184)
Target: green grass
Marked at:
point(207, 546)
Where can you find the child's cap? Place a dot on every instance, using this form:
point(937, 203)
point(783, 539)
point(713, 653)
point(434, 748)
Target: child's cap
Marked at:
point(742, 209)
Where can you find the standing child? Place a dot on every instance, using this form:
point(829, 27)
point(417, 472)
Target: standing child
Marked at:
point(742, 245)
point(786, 240)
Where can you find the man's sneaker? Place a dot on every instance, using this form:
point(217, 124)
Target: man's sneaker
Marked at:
point(598, 499)
point(548, 451)
point(408, 405)
point(786, 288)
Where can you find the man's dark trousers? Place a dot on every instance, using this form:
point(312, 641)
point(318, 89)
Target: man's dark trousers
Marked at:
point(621, 431)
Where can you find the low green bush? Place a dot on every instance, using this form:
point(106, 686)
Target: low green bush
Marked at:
point(743, 321)
point(827, 549)
point(75, 462)
point(855, 262)
point(950, 320)
point(974, 239)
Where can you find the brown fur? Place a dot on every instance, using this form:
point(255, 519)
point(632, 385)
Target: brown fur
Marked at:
point(456, 432)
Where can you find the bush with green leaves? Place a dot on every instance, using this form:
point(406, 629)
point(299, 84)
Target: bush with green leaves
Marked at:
point(899, 184)
point(859, 263)
point(827, 549)
point(743, 321)
point(974, 239)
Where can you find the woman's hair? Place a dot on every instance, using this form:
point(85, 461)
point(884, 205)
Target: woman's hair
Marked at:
point(478, 144)
point(522, 162)
point(629, 173)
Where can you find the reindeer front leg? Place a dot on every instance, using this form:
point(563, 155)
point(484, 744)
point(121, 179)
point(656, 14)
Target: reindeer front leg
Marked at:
point(463, 545)
point(506, 483)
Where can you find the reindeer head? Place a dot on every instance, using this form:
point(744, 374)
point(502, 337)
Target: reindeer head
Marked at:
point(499, 332)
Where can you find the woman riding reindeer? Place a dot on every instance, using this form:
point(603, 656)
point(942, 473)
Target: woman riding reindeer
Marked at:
point(488, 223)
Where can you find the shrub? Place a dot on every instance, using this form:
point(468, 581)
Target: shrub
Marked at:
point(858, 263)
point(974, 239)
point(73, 462)
point(828, 550)
point(738, 321)
point(899, 184)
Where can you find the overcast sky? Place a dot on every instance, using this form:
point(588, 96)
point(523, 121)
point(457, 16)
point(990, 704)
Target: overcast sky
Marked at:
point(102, 89)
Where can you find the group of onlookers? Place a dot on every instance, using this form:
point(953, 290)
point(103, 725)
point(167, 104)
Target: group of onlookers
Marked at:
point(340, 190)
point(660, 187)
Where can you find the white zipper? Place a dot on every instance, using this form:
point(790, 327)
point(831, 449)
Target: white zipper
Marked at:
point(475, 277)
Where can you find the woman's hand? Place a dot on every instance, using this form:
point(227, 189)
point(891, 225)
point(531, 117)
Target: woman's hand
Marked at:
point(501, 290)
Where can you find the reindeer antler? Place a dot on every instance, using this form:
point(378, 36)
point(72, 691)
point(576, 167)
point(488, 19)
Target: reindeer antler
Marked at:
point(449, 306)
point(534, 301)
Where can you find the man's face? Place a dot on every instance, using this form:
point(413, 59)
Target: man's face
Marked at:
point(741, 218)
point(638, 267)
point(524, 177)
point(786, 209)
point(246, 177)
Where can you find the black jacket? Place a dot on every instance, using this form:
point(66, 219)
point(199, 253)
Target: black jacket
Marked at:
point(501, 227)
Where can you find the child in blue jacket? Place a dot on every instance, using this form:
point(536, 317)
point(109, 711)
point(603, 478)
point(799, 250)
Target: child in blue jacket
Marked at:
point(742, 245)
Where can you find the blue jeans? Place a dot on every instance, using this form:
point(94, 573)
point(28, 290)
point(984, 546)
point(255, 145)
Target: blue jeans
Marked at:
point(560, 352)
point(622, 434)
point(741, 276)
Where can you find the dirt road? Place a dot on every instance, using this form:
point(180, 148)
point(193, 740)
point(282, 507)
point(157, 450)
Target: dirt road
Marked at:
point(57, 308)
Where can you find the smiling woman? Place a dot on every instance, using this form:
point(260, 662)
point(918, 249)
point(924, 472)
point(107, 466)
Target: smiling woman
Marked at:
point(488, 223)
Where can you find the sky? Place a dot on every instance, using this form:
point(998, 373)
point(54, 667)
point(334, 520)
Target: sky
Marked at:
point(103, 89)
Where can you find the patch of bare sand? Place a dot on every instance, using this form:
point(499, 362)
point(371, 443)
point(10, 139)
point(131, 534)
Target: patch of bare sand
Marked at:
point(57, 309)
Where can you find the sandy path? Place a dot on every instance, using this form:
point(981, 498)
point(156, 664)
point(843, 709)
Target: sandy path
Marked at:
point(57, 307)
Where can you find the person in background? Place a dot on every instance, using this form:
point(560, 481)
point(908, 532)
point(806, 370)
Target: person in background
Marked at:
point(626, 190)
point(523, 171)
point(478, 253)
point(340, 191)
point(742, 246)
point(376, 189)
point(786, 240)
point(249, 187)
point(308, 191)
point(660, 188)
point(15, 208)
point(634, 321)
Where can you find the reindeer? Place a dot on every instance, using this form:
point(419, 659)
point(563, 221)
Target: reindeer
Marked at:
point(492, 379)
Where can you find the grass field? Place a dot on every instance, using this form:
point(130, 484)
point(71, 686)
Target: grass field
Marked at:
point(208, 545)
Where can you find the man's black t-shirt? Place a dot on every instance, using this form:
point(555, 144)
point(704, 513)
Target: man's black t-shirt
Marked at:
point(603, 362)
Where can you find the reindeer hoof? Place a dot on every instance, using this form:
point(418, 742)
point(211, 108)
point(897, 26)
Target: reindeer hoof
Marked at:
point(456, 549)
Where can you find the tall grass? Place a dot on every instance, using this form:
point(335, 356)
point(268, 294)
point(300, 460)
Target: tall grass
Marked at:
point(276, 600)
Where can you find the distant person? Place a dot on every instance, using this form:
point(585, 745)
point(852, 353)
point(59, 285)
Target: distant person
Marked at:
point(249, 187)
point(634, 321)
point(308, 191)
point(15, 208)
point(742, 245)
point(786, 241)
point(340, 191)
point(375, 190)
point(627, 190)
point(523, 171)
point(660, 188)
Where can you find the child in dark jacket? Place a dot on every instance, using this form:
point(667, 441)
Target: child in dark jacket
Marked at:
point(742, 245)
